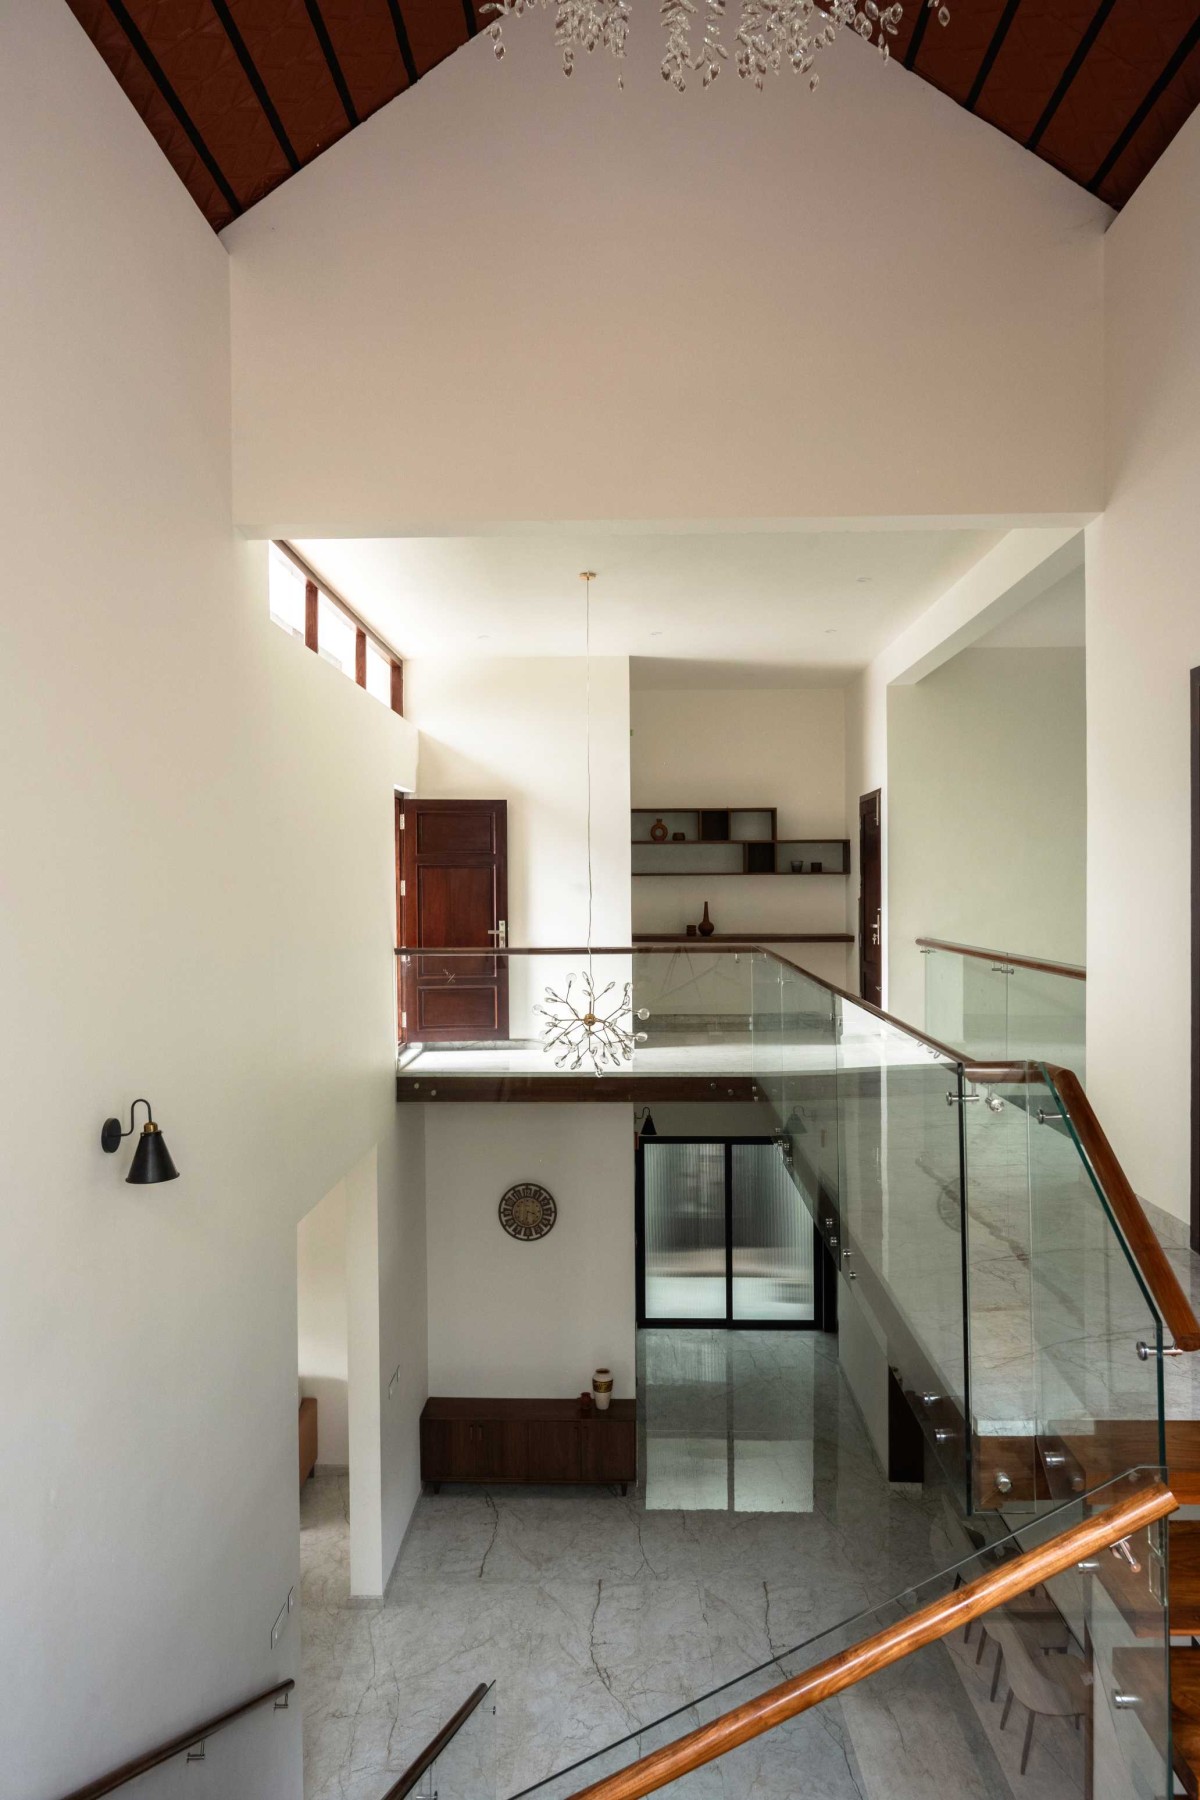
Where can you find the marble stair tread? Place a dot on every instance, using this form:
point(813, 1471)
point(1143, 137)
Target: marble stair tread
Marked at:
point(1185, 1578)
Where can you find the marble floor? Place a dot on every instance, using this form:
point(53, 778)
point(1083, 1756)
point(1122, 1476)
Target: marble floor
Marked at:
point(761, 1519)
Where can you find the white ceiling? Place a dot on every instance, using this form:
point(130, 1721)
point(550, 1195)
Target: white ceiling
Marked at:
point(1054, 621)
point(737, 608)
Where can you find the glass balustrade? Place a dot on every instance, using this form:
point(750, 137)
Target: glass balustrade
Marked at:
point(998, 1005)
point(465, 1767)
point(963, 1228)
point(1065, 1685)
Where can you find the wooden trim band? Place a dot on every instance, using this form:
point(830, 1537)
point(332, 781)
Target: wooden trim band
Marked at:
point(880, 1651)
point(1041, 965)
point(437, 1744)
point(108, 1784)
point(1140, 1236)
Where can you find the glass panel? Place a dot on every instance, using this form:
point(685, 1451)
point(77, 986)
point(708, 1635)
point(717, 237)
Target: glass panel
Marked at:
point(1059, 1693)
point(1099, 1403)
point(944, 997)
point(285, 588)
point(466, 1768)
point(772, 1239)
point(684, 1237)
point(379, 674)
point(1000, 1290)
point(337, 636)
point(1046, 1017)
point(985, 1010)
point(903, 1221)
point(697, 999)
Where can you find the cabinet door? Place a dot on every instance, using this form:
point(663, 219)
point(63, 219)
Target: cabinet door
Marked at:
point(446, 1450)
point(499, 1450)
point(554, 1450)
point(610, 1450)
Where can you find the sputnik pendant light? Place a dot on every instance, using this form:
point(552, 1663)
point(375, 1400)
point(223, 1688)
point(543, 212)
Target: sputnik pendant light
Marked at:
point(587, 1024)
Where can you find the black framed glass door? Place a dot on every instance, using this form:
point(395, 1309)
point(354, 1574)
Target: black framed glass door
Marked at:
point(723, 1237)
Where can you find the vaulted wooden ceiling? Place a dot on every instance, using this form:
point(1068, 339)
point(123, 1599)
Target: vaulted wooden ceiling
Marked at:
point(242, 93)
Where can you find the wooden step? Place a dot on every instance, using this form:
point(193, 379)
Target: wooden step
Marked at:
point(1184, 1579)
point(1139, 1670)
point(1185, 1717)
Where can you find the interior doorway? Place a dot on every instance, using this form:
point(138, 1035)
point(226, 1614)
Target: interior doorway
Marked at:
point(870, 897)
point(452, 893)
point(723, 1237)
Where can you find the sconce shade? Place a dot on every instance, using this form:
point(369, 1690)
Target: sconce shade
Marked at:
point(151, 1160)
point(648, 1129)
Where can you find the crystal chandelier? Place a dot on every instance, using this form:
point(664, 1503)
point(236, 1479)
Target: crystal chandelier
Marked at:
point(772, 35)
point(587, 1024)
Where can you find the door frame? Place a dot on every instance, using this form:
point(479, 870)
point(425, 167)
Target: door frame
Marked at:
point(1194, 681)
point(876, 795)
point(405, 1035)
point(728, 1323)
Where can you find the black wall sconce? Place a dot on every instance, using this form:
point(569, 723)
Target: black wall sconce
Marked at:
point(151, 1160)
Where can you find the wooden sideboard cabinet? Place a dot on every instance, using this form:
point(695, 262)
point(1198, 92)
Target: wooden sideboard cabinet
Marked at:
point(535, 1441)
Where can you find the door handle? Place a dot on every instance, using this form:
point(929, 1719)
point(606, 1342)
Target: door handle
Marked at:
point(875, 929)
point(500, 933)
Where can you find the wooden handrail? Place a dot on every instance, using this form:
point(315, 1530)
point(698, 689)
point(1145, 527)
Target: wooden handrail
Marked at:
point(437, 1744)
point(1040, 964)
point(926, 1626)
point(1165, 1289)
point(108, 1784)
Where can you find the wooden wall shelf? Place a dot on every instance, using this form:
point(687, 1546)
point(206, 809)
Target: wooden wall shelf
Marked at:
point(748, 938)
point(722, 841)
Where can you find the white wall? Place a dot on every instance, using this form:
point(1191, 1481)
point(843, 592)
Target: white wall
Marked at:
point(782, 747)
point(728, 305)
point(515, 729)
point(987, 798)
point(1025, 564)
point(507, 1318)
point(198, 906)
point(1143, 631)
point(403, 1346)
point(321, 1322)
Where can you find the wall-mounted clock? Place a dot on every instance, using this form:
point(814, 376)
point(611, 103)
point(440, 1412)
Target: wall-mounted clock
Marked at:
point(528, 1211)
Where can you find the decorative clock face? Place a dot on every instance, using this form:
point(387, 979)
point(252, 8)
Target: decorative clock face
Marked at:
point(528, 1211)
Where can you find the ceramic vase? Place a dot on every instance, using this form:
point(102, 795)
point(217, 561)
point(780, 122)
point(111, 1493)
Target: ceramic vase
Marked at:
point(658, 832)
point(602, 1386)
point(706, 926)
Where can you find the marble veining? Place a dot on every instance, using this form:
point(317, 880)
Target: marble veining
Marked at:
point(595, 1615)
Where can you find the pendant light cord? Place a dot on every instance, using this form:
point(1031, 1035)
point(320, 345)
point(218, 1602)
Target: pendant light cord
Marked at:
point(587, 653)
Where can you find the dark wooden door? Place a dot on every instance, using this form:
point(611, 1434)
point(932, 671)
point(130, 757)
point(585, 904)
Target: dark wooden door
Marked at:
point(870, 898)
point(452, 866)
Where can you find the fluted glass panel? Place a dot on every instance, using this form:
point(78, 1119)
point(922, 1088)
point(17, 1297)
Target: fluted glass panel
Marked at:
point(772, 1239)
point(685, 1231)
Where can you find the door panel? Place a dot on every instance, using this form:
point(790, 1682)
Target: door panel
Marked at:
point(452, 866)
point(772, 1248)
point(441, 832)
point(684, 1230)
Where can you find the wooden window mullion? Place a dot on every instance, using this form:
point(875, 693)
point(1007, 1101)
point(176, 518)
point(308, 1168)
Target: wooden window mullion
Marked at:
point(398, 687)
point(310, 614)
point(360, 657)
